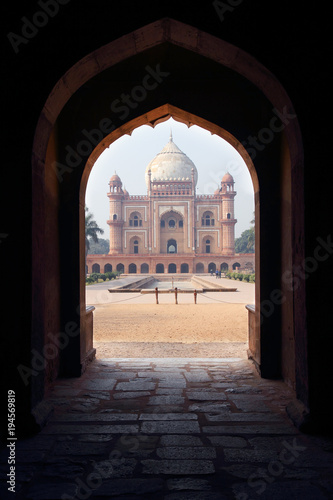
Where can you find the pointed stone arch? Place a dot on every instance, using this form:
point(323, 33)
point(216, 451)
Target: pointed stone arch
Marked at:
point(49, 176)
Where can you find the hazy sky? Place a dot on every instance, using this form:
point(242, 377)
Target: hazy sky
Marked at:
point(130, 155)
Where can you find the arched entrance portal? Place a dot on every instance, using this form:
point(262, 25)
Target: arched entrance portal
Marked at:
point(172, 246)
point(64, 164)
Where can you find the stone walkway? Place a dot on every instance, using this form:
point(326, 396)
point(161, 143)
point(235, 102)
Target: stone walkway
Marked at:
point(171, 429)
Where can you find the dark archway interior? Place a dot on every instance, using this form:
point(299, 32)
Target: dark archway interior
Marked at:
point(194, 84)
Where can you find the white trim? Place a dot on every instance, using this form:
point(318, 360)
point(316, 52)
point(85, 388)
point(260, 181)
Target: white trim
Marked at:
point(144, 231)
point(133, 209)
point(209, 231)
point(209, 206)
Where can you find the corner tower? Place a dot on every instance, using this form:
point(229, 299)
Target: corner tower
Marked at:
point(228, 214)
point(116, 196)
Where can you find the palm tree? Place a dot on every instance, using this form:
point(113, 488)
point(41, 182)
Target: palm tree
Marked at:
point(92, 229)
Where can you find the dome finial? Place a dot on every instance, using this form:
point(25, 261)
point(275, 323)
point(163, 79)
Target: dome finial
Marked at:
point(170, 138)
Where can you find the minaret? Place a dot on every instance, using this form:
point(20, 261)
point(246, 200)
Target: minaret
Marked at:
point(116, 197)
point(228, 214)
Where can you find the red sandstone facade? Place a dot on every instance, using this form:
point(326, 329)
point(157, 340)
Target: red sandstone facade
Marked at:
point(171, 229)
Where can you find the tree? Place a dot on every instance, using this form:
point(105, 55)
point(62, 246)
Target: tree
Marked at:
point(101, 247)
point(245, 243)
point(92, 229)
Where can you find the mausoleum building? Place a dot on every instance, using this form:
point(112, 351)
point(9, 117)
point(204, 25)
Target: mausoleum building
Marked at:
point(171, 229)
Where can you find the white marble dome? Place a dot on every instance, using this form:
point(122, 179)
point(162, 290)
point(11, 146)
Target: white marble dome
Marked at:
point(171, 164)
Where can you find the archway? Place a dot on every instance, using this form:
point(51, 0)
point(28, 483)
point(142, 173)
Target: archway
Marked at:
point(65, 164)
point(184, 268)
point(172, 268)
point(120, 268)
point(199, 268)
point(96, 268)
point(172, 246)
point(144, 268)
point(108, 268)
point(132, 268)
point(159, 268)
point(211, 267)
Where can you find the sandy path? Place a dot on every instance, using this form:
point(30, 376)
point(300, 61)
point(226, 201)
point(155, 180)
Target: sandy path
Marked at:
point(183, 330)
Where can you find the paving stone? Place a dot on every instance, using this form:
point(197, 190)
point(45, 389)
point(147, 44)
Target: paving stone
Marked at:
point(209, 407)
point(206, 396)
point(166, 400)
point(180, 440)
point(168, 416)
point(138, 446)
point(282, 490)
point(99, 384)
point(173, 427)
point(97, 394)
point(137, 486)
point(73, 448)
point(62, 470)
point(244, 417)
point(251, 404)
point(198, 376)
point(168, 391)
point(97, 417)
point(52, 491)
point(131, 394)
point(199, 495)
point(188, 483)
point(181, 452)
point(95, 438)
point(122, 467)
point(136, 385)
point(172, 382)
point(253, 456)
point(228, 441)
point(249, 429)
point(123, 375)
point(92, 429)
point(178, 467)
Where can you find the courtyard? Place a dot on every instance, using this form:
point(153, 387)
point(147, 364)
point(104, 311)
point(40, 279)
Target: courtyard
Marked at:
point(133, 325)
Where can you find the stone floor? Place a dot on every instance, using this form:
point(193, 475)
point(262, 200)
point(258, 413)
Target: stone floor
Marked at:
point(171, 429)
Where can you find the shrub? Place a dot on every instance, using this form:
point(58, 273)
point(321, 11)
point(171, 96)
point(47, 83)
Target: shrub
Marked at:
point(102, 276)
point(89, 280)
point(246, 277)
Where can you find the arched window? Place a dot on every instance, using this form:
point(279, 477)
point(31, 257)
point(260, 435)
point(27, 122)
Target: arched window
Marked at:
point(172, 223)
point(180, 223)
point(144, 268)
point(184, 268)
point(207, 246)
point(132, 268)
point(207, 219)
point(172, 268)
point(172, 246)
point(96, 268)
point(120, 268)
point(162, 223)
point(228, 216)
point(159, 268)
point(114, 217)
point(199, 268)
point(136, 246)
point(135, 220)
point(108, 268)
